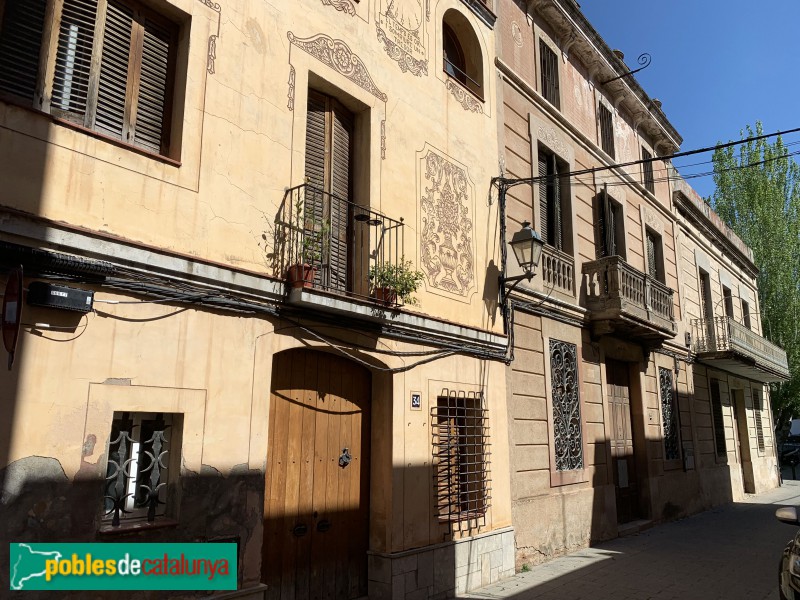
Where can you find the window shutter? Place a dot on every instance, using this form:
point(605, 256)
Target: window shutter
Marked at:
point(609, 231)
point(20, 45)
point(543, 185)
point(651, 255)
point(151, 123)
point(316, 149)
point(74, 59)
point(601, 226)
point(555, 205)
point(110, 117)
point(340, 190)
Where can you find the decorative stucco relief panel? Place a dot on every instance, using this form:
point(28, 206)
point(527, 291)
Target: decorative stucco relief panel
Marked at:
point(401, 28)
point(446, 225)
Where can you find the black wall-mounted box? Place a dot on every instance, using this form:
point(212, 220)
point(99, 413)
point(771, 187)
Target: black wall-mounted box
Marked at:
point(50, 295)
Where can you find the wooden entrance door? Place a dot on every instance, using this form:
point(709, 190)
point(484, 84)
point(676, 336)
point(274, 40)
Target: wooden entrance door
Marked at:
point(622, 454)
point(316, 503)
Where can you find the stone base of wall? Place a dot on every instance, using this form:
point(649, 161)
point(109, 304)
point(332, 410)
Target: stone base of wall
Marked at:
point(258, 592)
point(443, 570)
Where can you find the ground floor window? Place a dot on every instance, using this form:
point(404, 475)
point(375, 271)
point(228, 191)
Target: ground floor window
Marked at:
point(568, 434)
point(460, 456)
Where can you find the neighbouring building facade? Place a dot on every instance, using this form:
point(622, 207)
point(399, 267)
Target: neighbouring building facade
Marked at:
point(257, 250)
point(638, 390)
point(226, 189)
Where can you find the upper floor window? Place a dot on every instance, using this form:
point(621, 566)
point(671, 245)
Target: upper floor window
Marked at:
point(655, 255)
point(110, 66)
point(548, 64)
point(746, 314)
point(647, 167)
point(728, 298)
point(554, 207)
point(606, 130)
point(610, 229)
point(461, 52)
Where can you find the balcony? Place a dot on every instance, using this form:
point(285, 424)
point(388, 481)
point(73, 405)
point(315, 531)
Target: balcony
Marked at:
point(323, 245)
point(558, 271)
point(625, 301)
point(725, 344)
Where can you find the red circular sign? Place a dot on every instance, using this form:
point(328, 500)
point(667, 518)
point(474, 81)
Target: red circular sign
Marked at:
point(12, 312)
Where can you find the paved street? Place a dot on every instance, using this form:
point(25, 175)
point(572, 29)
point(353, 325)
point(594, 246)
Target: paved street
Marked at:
point(728, 552)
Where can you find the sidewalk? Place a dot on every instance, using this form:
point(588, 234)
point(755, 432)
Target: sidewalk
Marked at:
point(728, 552)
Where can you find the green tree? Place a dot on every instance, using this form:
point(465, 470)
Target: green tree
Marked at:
point(758, 196)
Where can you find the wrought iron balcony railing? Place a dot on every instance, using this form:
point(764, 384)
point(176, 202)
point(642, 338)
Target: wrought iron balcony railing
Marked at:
point(721, 339)
point(329, 243)
point(558, 270)
point(627, 300)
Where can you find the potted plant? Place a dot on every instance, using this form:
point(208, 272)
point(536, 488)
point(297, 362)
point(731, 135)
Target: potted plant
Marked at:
point(391, 282)
point(310, 238)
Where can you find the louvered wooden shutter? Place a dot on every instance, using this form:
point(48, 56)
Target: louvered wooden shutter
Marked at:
point(341, 157)
point(600, 239)
point(151, 122)
point(544, 215)
point(316, 146)
point(555, 204)
point(74, 60)
point(111, 117)
point(651, 255)
point(20, 45)
point(609, 225)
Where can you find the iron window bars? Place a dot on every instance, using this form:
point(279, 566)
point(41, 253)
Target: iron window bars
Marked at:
point(647, 166)
point(567, 431)
point(716, 415)
point(606, 130)
point(549, 66)
point(758, 406)
point(672, 450)
point(138, 463)
point(461, 457)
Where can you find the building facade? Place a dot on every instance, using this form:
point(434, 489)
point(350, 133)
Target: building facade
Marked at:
point(225, 187)
point(260, 246)
point(631, 399)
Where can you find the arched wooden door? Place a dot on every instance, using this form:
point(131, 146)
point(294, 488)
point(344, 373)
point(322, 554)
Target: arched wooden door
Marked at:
point(316, 503)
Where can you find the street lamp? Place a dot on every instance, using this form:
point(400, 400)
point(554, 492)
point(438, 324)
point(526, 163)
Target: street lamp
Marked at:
point(527, 247)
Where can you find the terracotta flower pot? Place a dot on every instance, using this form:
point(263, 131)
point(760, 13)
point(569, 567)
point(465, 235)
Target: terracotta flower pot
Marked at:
point(385, 295)
point(301, 276)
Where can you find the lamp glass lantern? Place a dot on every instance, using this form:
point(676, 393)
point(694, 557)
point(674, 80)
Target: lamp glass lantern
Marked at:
point(527, 246)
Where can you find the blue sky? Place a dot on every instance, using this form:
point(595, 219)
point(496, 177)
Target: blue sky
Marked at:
point(717, 65)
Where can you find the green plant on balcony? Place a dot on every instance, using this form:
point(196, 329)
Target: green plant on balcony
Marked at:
point(309, 246)
point(392, 281)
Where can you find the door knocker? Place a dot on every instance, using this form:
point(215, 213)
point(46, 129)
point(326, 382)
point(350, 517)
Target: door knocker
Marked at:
point(345, 458)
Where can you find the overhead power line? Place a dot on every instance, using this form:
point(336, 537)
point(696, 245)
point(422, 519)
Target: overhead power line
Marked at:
point(508, 182)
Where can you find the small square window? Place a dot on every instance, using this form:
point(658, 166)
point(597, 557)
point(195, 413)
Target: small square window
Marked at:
point(140, 467)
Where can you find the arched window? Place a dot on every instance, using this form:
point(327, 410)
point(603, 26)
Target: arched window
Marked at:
point(462, 52)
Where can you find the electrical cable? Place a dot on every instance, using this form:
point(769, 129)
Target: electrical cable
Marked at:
point(508, 183)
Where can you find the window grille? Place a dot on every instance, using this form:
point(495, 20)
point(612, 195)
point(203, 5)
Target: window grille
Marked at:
point(716, 415)
point(110, 67)
point(549, 67)
point(672, 450)
point(550, 199)
point(649, 182)
point(606, 130)
point(566, 406)
point(138, 462)
point(758, 406)
point(461, 452)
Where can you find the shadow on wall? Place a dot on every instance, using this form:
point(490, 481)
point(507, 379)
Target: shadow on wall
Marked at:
point(40, 504)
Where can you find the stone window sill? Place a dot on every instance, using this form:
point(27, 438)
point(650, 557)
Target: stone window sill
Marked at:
point(106, 529)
